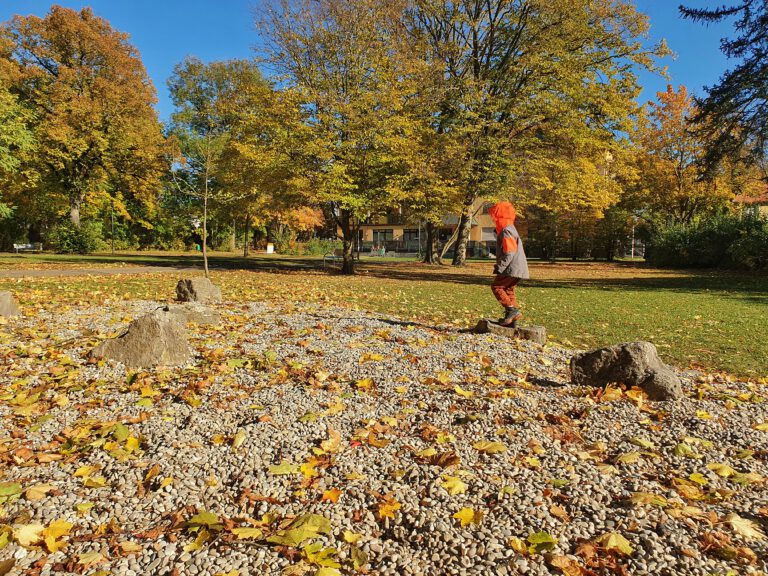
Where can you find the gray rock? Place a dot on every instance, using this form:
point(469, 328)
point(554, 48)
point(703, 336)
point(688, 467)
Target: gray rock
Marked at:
point(157, 338)
point(197, 290)
point(537, 334)
point(632, 364)
point(8, 305)
point(192, 312)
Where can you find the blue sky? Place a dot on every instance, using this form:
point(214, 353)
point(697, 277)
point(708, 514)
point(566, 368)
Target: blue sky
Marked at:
point(165, 31)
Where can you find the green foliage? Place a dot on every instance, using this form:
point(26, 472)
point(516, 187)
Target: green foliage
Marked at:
point(722, 241)
point(313, 247)
point(70, 239)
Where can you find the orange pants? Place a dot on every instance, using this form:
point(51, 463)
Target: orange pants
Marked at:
point(503, 288)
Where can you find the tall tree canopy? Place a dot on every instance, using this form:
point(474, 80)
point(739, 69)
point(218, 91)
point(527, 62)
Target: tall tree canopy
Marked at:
point(94, 122)
point(348, 61)
point(515, 69)
point(732, 116)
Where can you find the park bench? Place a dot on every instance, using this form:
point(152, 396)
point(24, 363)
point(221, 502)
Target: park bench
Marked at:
point(337, 256)
point(34, 247)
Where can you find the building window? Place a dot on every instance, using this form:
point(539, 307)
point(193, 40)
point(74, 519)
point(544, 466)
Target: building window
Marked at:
point(411, 235)
point(382, 236)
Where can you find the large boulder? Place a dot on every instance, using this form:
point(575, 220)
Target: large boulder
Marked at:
point(194, 313)
point(155, 339)
point(632, 364)
point(197, 290)
point(8, 305)
point(537, 334)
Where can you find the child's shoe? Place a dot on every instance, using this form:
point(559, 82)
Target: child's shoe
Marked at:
point(511, 317)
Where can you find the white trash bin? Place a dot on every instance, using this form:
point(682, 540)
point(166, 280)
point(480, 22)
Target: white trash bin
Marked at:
point(270, 248)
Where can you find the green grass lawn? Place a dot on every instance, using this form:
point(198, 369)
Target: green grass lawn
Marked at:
point(712, 320)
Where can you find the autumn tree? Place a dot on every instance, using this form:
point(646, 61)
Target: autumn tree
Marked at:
point(261, 169)
point(670, 160)
point(346, 60)
point(731, 118)
point(91, 99)
point(204, 96)
point(16, 141)
point(513, 68)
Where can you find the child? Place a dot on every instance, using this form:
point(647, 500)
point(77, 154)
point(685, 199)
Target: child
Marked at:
point(511, 265)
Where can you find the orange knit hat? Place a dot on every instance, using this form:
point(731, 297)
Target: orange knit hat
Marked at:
point(503, 213)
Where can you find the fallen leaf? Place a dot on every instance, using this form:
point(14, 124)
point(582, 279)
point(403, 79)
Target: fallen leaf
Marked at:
point(744, 527)
point(615, 542)
point(247, 533)
point(467, 516)
point(489, 447)
point(454, 485)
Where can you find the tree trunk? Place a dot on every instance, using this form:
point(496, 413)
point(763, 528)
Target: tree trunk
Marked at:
point(233, 236)
point(430, 254)
point(345, 221)
point(246, 230)
point(460, 253)
point(205, 223)
point(74, 210)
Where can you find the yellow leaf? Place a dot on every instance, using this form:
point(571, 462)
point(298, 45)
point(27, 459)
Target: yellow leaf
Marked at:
point(388, 508)
point(703, 415)
point(239, 438)
point(38, 491)
point(489, 447)
point(426, 453)
point(301, 529)
point(761, 427)
point(202, 537)
point(327, 571)
point(454, 485)
point(88, 559)
point(283, 469)
point(85, 471)
point(28, 534)
point(698, 478)
point(167, 481)
point(130, 547)
point(333, 443)
point(247, 533)
point(744, 527)
point(54, 532)
point(518, 545)
point(628, 458)
point(642, 442)
point(331, 495)
point(132, 444)
point(364, 384)
point(84, 507)
point(722, 470)
point(352, 537)
point(568, 566)
point(94, 481)
point(615, 542)
point(648, 498)
point(461, 392)
point(467, 516)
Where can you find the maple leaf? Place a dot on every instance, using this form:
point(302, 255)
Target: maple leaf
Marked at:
point(28, 534)
point(388, 507)
point(38, 491)
point(648, 498)
point(247, 533)
point(352, 537)
point(204, 519)
point(568, 566)
point(331, 495)
point(722, 470)
point(454, 485)
point(283, 469)
point(615, 542)
point(540, 542)
point(744, 527)
point(461, 392)
point(467, 516)
point(488, 447)
point(332, 444)
point(54, 532)
point(301, 529)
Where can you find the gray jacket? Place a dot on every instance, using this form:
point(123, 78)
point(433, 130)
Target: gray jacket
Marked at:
point(512, 262)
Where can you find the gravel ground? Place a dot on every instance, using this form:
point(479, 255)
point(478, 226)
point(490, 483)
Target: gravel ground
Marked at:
point(309, 440)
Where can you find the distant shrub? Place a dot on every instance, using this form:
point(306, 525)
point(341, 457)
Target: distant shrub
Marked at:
point(67, 238)
point(723, 241)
